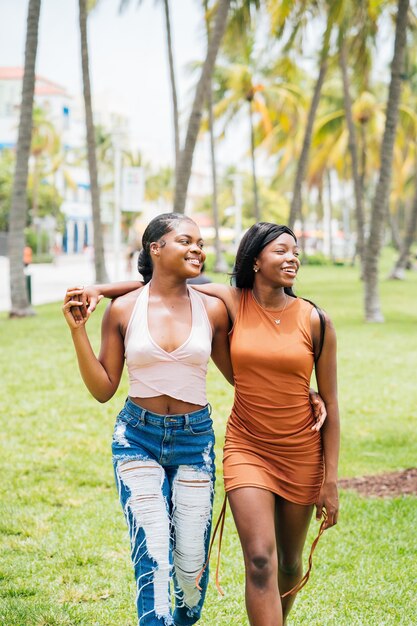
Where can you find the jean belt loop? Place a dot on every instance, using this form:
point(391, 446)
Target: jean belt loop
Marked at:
point(142, 417)
point(209, 408)
point(186, 421)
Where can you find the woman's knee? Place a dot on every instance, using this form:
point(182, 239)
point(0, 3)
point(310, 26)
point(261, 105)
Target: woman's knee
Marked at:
point(261, 566)
point(289, 564)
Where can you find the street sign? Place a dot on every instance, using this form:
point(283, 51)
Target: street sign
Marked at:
point(133, 189)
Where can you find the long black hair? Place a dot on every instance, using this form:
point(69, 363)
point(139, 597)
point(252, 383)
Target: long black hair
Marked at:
point(157, 228)
point(253, 242)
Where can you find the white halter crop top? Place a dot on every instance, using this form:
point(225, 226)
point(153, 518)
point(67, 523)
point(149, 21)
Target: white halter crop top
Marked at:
point(180, 374)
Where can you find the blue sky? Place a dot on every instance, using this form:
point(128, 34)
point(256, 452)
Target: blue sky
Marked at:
point(128, 57)
point(128, 63)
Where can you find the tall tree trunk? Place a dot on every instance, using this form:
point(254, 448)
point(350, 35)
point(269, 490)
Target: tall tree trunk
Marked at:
point(330, 215)
point(220, 264)
point(173, 86)
point(186, 155)
point(18, 211)
point(363, 157)
point(380, 202)
point(99, 262)
point(353, 150)
point(409, 238)
point(295, 209)
point(394, 227)
point(252, 155)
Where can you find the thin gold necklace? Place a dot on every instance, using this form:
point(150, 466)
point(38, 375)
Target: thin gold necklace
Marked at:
point(276, 320)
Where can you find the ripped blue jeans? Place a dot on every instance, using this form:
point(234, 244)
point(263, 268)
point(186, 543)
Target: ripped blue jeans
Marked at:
point(165, 474)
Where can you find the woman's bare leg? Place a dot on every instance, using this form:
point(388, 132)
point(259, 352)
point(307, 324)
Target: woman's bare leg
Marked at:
point(291, 522)
point(254, 514)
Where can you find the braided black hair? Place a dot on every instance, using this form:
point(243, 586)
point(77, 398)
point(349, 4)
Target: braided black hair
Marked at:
point(157, 228)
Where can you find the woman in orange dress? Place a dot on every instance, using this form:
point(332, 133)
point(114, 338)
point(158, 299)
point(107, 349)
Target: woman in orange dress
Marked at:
point(277, 463)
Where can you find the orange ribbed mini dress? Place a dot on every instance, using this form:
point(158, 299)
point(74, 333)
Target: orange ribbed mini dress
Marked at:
point(269, 442)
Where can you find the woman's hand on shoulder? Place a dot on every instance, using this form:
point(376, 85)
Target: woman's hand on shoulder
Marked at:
point(90, 296)
point(83, 303)
point(75, 308)
point(220, 323)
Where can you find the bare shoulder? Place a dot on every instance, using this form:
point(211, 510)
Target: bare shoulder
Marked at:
point(315, 318)
point(120, 309)
point(213, 304)
point(126, 300)
point(329, 330)
point(230, 296)
point(216, 312)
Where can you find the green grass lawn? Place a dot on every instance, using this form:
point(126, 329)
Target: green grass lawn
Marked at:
point(64, 546)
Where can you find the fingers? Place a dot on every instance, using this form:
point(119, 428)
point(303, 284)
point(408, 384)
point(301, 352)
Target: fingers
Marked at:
point(83, 307)
point(320, 419)
point(330, 513)
point(332, 516)
point(72, 308)
point(94, 300)
point(77, 314)
point(69, 303)
point(319, 410)
point(66, 309)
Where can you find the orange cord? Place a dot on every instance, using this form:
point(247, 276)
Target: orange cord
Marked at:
point(306, 576)
point(220, 522)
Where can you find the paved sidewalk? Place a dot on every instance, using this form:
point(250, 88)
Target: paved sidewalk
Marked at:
point(50, 280)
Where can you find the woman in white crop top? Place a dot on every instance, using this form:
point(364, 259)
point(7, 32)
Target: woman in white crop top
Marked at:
point(163, 442)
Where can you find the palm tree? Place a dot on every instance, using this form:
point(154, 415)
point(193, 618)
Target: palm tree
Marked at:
point(380, 201)
point(238, 89)
point(398, 270)
point(353, 150)
point(45, 142)
point(363, 20)
point(194, 123)
point(296, 203)
point(219, 264)
point(173, 84)
point(99, 262)
point(175, 114)
point(20, 304)
point(409, 238)
point(240, 81)
point(249, 86)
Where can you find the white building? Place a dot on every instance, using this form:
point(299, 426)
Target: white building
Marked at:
point(72, 180)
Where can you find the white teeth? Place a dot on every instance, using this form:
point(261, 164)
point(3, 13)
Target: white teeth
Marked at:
point(193, 261)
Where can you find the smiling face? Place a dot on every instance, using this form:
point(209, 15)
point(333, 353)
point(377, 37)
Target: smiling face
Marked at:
point(180, 251)
point(278, 262)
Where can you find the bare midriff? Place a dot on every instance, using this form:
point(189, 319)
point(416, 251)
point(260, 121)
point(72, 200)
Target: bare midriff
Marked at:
point(165, 405)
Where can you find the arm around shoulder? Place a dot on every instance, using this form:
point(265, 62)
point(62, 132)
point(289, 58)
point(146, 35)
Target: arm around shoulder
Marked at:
point(230, 296)
point(220, 351)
